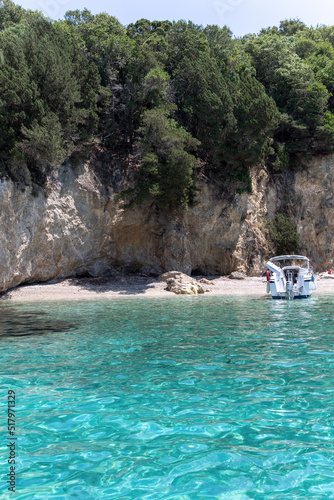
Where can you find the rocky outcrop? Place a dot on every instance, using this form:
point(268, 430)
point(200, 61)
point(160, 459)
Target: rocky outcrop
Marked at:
point(181, 284)
point(236, 275)
point(76, 226)
point(206, 281)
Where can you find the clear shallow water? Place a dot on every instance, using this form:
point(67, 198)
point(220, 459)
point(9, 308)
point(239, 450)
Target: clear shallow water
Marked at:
point(186, 398)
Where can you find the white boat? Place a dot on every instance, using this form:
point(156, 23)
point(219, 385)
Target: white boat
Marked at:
point(290, 277)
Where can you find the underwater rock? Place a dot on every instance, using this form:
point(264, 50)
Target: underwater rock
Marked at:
point(16, 323)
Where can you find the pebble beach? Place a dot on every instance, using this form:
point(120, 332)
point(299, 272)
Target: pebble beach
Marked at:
point(141, 286)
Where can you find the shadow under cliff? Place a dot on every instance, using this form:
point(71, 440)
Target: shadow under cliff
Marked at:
point(124, 285)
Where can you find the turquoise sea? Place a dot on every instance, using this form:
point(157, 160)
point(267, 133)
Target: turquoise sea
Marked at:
point(179, 398)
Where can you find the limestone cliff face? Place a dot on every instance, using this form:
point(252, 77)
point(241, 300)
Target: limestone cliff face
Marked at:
point(310, 193)
point(77, 227)
point(314, 191)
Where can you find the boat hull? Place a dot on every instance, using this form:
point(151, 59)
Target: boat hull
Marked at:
point(304, 292)
point(292, 298)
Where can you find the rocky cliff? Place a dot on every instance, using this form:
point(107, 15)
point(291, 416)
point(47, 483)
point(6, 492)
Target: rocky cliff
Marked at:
point(77, 226)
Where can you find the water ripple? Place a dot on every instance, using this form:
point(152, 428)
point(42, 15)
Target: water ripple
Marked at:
point(158, 399)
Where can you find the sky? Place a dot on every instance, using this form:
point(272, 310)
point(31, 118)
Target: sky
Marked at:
point(241, 16)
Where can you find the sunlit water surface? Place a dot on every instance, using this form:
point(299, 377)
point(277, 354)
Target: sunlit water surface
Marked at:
point(184, 398)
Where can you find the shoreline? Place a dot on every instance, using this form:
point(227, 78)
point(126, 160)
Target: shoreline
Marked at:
point(73, 289)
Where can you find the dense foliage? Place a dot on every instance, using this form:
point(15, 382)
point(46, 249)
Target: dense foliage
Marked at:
point(181, 96)
point(283, 234)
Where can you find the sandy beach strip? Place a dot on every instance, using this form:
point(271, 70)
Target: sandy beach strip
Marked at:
point(137, 286)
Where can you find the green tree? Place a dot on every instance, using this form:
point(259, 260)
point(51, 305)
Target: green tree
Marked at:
point(204, 103)
point(10, 14)
point(292, 83)
point(290, 27)
point(44, 141)
point(168, 163)
point(256, 120)
point(283, 234)
point(39, 86)
point(156, 88)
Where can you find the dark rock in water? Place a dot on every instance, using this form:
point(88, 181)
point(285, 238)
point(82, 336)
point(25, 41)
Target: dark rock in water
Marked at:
point(15, 323)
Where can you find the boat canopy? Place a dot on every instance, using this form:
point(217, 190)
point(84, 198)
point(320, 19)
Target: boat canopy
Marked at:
point(289, 257)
